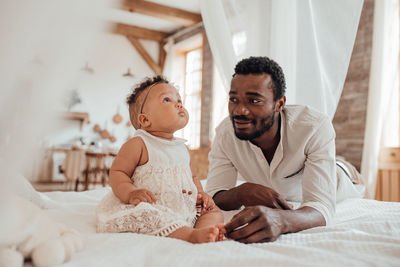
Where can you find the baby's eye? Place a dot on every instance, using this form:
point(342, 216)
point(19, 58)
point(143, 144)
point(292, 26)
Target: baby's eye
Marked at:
point(166, 99)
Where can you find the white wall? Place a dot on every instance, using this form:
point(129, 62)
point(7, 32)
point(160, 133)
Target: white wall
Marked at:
point(105, 90)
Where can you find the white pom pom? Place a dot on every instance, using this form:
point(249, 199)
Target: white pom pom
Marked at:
point(10, 258)
point(69, 245)
point(77, 237)
point(49, 253)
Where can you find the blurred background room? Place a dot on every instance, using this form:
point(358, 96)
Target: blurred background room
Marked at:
point(67, 68)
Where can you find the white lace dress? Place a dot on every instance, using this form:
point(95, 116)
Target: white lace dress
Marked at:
point(167, 175)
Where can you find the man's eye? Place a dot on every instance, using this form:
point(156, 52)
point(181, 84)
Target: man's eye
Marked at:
point(254, 101)
point(233, 100)
point(166, 99)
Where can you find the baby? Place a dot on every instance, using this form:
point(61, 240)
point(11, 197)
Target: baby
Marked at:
point(153, 190)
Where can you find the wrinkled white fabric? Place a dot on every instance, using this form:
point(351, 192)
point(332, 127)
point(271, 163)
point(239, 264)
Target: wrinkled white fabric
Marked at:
point(364, 232)
point(167, 175)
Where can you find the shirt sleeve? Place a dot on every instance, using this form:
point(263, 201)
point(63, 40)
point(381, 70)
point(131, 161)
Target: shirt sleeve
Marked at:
point(319, 177)
point(222, 175)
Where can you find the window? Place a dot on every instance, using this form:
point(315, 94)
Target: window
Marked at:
point(239, 42)
point(192, 96)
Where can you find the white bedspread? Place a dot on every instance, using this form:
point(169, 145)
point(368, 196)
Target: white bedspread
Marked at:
point(364, 233)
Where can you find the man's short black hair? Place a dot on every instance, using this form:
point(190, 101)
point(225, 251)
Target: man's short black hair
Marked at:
point(264, 65)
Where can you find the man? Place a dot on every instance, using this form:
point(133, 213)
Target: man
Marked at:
point(284, 153)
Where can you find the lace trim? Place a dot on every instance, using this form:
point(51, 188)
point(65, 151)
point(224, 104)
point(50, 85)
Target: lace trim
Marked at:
point(170, 229)
point(116, 217)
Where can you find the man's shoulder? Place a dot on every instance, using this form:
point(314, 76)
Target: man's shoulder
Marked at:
point(225, 135)
point(225, 126)
point(304, 115)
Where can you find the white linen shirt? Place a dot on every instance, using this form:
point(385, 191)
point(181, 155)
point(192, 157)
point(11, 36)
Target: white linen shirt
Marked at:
point(303, 168)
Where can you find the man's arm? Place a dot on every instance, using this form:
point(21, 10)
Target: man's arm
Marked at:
point(249, 194)
point(263, 224)
point(319, 175)
point(222, 175)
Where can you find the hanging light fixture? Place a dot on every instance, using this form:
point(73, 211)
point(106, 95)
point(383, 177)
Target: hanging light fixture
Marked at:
point(87, 68)
point(128, 73)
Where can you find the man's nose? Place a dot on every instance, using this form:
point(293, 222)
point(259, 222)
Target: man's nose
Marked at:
point(241, 110)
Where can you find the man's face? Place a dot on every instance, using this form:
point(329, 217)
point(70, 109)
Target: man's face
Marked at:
point(251, 106)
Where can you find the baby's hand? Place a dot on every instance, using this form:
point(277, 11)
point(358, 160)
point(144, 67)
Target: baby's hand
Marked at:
point(205, 200)
point(141, 195)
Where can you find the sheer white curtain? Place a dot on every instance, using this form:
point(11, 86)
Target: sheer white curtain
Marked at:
point(382, 83)
point(311, 39)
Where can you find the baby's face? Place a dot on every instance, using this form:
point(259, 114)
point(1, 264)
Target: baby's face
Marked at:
point(164, 108)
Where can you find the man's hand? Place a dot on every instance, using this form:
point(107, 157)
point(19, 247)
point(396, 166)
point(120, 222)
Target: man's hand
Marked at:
point(141, 195)
point(206, 201)
point(256, 224)
point(250, 194)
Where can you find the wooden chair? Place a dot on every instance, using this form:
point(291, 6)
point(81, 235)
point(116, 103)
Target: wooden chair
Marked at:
point(96, 169)
point(73, 167)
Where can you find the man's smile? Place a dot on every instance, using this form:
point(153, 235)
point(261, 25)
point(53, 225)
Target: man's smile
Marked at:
point(242, 123)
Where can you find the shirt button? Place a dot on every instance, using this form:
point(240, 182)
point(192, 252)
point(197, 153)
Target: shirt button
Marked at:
point(183, 191)
point(190, 192)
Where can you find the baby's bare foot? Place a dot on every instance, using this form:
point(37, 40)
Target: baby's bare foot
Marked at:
point(206, 234)
point(221, 233)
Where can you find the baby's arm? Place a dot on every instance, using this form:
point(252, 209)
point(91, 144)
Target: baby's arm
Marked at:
point(132, 154)
point(202, 197)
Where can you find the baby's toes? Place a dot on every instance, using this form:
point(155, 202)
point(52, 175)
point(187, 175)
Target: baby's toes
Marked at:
point(213, 234)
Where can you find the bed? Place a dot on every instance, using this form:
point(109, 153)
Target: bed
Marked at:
point(364, 233)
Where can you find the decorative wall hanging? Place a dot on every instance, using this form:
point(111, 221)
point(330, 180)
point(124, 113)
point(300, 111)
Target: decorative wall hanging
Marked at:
point(105, 134)
point(72, 98)
point(96, 128)
point(117, 119)
point(87, 69)
point(128, 73)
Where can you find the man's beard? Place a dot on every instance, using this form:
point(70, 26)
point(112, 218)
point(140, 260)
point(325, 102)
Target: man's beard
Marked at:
point(266, 124)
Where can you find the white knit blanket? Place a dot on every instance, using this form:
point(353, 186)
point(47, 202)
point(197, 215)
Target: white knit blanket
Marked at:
point(364, 233)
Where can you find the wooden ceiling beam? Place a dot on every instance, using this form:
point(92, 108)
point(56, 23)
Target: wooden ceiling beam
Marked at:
point(176, 15)
point(162, 55)
point(138, 32)
point(146, 56)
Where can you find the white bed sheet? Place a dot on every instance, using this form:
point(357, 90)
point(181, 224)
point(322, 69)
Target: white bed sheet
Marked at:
point(364, 233)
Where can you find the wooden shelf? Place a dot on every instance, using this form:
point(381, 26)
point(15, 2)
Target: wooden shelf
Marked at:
point(83, 117)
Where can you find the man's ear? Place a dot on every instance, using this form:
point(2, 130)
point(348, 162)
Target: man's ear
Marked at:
point(280, 104)
point(143, 120)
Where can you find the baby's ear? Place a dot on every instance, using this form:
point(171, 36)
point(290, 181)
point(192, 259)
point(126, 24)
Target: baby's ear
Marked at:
point(143, 120)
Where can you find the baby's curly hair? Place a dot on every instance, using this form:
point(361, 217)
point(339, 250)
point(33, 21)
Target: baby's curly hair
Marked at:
point(264, 65)
point(133, 99)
